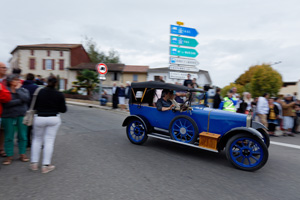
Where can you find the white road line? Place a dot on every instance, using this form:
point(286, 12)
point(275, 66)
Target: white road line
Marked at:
point(286, 145)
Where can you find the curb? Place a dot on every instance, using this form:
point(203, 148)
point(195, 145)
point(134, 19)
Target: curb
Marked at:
point(96, 106)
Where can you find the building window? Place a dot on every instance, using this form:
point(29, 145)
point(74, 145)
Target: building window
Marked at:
point(115, 76)
point(62, 84)
point(31, 63)
point(49, 64)
point(32, 52)
point(61, 64)
point(61, 53)
point(48, 53)
point(135, 77)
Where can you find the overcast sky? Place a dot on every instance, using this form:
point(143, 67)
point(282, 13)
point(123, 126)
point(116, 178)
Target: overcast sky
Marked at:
point(233, 34)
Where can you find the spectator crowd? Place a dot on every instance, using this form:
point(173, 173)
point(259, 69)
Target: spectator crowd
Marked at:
point(16, 97)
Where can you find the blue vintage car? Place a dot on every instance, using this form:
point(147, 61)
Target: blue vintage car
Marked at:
point(246, 142)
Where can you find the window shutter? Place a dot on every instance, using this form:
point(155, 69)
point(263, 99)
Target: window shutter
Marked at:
point(53, 63)
point(44, 64)
point(31, 63)
point(61, 64)
point(66, 83)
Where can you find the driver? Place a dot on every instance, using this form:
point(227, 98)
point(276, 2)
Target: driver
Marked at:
point(165, 103)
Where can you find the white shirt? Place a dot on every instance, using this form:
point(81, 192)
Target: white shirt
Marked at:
point(262, 106)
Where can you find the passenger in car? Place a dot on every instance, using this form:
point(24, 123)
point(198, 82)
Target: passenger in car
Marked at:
point(165, 103)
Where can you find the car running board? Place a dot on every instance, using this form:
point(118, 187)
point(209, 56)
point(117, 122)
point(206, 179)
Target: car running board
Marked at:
point(167, 138)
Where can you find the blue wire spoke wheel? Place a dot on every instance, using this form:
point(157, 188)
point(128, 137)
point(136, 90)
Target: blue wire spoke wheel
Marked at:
point(183, 129)
point(247, 152)
point(136, 132)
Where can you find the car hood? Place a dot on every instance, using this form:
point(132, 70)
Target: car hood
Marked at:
point(219, 121)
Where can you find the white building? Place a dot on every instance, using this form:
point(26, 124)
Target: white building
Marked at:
point(46, 59)
point(202, 76)
point(290, 88)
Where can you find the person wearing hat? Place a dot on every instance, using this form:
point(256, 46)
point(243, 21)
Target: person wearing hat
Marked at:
point(12, 115)
point(229, 102)
point(288, 113)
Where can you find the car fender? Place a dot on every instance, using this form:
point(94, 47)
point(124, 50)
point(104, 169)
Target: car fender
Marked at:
point(258, 125)
point(234, 131)
point(141, 118)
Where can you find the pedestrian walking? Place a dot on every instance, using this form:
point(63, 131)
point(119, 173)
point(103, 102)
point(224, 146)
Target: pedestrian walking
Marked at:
point(12, 116)
point(272, 117)
point(262, 109)
point(288, 113)
point(49, 103)
point(115, 99)
point(245, 103)
point(217, 98)
point(30, 85)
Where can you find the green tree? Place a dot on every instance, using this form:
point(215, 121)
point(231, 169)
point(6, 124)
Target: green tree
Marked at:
point(87, 79)
point(257, 80)
point(98, 56)
point(265, 79)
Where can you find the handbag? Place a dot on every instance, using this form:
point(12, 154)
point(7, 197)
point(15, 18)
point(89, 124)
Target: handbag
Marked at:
point(28, 118)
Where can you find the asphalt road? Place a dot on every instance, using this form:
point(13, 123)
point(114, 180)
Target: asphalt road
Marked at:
point(95, 160)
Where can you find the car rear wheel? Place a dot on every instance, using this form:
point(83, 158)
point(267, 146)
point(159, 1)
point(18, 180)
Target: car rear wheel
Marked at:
point(184, 129)
point(136, 132)
point(246, 152)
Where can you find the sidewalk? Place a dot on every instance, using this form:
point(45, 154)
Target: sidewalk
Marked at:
point(93, 104)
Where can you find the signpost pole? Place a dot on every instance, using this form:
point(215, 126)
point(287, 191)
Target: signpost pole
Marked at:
point(100, 88)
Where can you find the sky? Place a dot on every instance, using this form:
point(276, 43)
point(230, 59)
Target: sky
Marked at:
point(233, 34)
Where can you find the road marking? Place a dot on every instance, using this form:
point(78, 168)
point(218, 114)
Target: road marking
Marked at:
point(286, 145)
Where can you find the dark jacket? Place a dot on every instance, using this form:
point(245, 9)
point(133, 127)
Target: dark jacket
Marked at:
point(18, 105)
point(217, 101)
point(121, 92)
point(127, 94)
point(162, 103)
point(31, 87)
point(50, 102)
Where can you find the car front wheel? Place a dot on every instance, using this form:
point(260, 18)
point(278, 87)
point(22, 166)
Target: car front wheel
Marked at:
point(246, 152)
point(136, 132)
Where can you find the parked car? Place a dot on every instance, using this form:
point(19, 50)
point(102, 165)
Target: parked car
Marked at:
point(246, 142)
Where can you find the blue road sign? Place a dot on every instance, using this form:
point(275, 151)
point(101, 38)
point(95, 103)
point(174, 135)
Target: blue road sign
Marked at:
point(180, 30)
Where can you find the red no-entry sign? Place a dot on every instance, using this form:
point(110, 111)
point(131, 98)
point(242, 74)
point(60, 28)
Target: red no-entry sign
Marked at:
point(102, 68)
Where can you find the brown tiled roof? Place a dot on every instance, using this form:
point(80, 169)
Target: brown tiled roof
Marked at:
point(92, 66)
point(136, 68)
point(47, 46)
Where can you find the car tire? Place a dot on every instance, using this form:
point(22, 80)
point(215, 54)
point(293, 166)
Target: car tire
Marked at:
point(184, 129)
point(246, 152)
point(136, 131)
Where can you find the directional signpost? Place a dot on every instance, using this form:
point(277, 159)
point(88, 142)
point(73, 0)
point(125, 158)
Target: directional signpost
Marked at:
point(185, 52)
point(183, 61)
point(188, 42)
point(180, 30)
point(182, 66)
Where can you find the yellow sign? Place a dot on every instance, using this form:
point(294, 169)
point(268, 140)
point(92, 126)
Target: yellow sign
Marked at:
point(179, 23)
